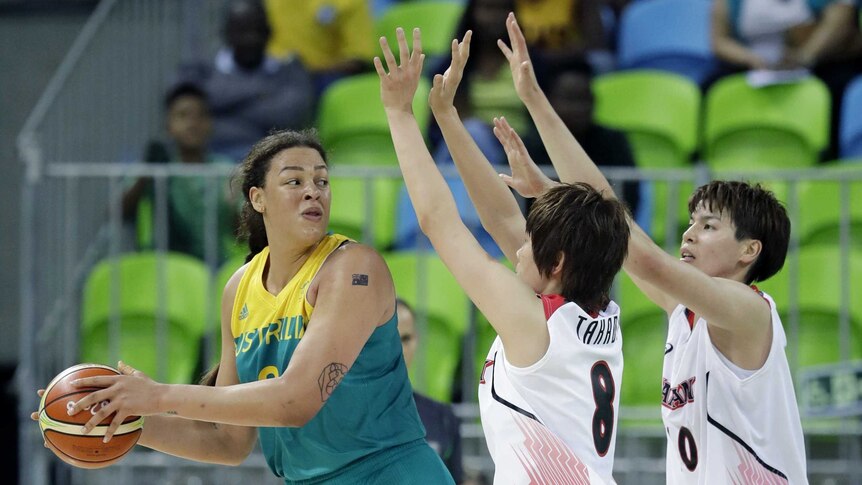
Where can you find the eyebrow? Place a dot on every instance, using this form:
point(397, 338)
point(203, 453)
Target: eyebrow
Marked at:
point(301, 169)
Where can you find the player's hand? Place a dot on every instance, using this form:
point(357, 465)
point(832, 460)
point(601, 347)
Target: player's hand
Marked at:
point(442, 96)
point(527, 178)
point(35, 415)
point(398, 86)
point(519, 61)
point(130, 394)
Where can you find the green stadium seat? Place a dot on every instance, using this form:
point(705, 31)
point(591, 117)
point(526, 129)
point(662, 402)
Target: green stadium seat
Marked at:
point(659, 112)
point(819, 302)
point(437, 20)
point(424, 282)
point(353, 124)
point(782, 126)
point(644, 328)
point(348, 211)
point(819, 205)
point(141, 278)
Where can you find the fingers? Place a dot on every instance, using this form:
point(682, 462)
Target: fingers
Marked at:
point(40, 392)
point(391, 64)
point(98, 416)
point(378, 66)
point(34, 416)
point(506, 51)
point(126, 369)
point(417, 45)
point(98, 381)
point(507, 180)
point(403, 50)
point(465, 43)
point(115, 424)
point(88, 401)
point(516, 37)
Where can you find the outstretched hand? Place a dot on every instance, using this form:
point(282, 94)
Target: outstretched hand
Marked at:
point(519, 60)
point(398, 87)
point(445, 85)
point(129, 394)
point(527, 178)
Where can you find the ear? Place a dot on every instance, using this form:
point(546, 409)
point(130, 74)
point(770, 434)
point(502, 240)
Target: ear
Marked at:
point(257, 198)
point(750, 250)
point(558, 268)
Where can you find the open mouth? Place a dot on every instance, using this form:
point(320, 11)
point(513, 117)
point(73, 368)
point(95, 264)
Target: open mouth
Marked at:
point(313, 214)
point(686, 256)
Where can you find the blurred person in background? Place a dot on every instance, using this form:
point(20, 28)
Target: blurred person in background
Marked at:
point(189, 125)
point(333, 38)
point(442, 427)
point(252, 93)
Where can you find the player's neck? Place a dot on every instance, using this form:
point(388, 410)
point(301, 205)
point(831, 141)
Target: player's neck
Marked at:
point(284, 262)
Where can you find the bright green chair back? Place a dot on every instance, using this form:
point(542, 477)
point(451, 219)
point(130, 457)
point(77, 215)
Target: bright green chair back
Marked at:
point(819, 302)
point(135, 293)
point(820, 208)
point(348, 210)
point(781, 126)
point(436, 19)
point(644, 328)
point(659, 112)
point(424, 282)
point(353, 125)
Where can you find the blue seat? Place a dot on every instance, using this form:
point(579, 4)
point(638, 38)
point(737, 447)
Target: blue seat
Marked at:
point(851, 121)
point(669, 35)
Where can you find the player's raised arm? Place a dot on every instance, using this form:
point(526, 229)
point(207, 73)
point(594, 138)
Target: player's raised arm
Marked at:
point(499, 212)
point(667, 280)
point(517, 315)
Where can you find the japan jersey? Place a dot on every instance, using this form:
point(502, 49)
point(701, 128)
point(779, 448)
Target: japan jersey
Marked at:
point(555, 421)
point(725, 424)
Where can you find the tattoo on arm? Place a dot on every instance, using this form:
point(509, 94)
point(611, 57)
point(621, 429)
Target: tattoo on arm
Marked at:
point(360, 280)
point(330, 378)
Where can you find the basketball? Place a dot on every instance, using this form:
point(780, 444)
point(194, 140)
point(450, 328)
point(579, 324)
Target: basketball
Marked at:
point(62, 432)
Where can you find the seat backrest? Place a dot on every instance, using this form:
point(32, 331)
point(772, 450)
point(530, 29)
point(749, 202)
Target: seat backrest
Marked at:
point(437, 19)
point(140, 287)
point(348, 210)
point(819, 302)
point(780, 126)
point(424, 282)
point(353, 124)
point(671, 35)
point(850, 131)
point(820, 208)
point(659, 112)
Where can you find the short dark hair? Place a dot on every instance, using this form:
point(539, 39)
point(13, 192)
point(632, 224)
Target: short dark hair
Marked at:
point(185, 89)
point(757, 214)
point(590, 231)
point(252, 173)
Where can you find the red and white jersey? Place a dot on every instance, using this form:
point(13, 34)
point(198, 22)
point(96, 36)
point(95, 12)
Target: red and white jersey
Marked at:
point(725, 424)
point(555, 422)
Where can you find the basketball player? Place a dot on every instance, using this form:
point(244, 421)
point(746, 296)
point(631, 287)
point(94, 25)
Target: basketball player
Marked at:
point(727, 398)
point(551, 377)
point(310, 348)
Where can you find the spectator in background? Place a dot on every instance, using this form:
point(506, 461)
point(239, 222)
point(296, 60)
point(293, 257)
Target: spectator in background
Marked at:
point(441, 424)
point(250, 92)
point(560, 30)
point(819, 35)
point(569, 88)
point(189, 125)
point(334, 39)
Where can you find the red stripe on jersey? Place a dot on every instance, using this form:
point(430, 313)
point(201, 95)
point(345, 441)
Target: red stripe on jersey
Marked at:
point(689, 315)
point(551, 303)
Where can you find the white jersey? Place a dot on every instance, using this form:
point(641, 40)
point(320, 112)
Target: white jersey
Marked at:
point(555, 421)
point(725, 424)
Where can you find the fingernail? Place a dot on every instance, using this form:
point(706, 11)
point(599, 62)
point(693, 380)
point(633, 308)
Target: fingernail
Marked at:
point(105, 439)
point(84, 430)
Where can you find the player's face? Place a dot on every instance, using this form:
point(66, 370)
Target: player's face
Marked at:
point(296, 198)
point(710, 245)
point(407, 331)
point(189, 122)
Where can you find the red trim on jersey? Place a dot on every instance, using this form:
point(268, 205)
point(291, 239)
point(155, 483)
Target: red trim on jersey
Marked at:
point(689, 315)
point(755, 288)
point(551, 303)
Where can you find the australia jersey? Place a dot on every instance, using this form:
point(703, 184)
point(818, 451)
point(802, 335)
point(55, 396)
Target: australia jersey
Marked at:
point(555, 422)
point(372, 409)
point(724, 426)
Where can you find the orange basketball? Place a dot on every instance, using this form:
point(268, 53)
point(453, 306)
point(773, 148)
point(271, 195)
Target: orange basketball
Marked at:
point(62, 432)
